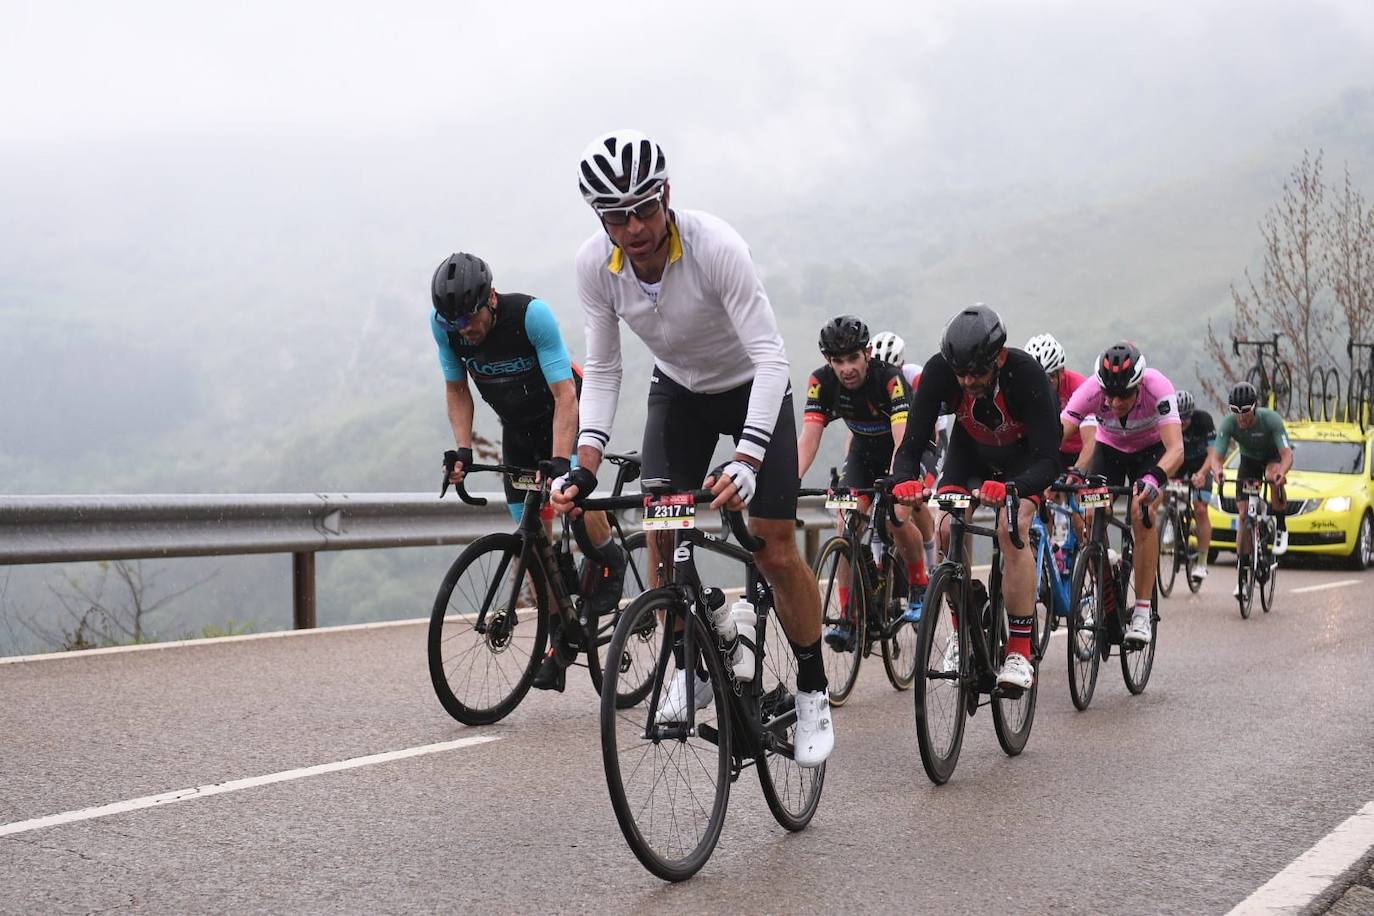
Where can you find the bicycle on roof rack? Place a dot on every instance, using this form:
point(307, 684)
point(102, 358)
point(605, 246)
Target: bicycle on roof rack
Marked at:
point(1271, 376)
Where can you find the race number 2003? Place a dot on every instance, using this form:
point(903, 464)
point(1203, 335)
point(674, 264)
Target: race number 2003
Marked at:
point(678, 510)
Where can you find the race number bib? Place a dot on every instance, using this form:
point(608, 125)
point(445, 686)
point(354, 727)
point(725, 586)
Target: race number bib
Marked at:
point(524, 482)
point(841, 499)
point(1250, 488)
point(677, 510)
point(1094, 498)
point(951, 502)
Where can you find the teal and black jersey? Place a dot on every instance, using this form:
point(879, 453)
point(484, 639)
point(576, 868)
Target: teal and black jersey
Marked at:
point(515, 363)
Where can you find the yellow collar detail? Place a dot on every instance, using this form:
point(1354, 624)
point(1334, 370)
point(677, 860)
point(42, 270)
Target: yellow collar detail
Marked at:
point(617, 262)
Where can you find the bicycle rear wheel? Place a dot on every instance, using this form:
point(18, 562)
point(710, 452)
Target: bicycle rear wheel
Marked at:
point(669, 791)
point(942, 688)
point(793, 792)
point(636, 664)
point(1171, 550)
point(483, 652)
point(1137, 663)
point(899, 649)
point(842, 623)
point(1086, 607)
point(1013, 715)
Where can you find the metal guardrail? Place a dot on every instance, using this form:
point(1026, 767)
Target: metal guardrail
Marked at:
point(67, 529)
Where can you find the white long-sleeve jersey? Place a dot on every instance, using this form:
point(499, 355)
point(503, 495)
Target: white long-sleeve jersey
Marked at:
point(711, 329)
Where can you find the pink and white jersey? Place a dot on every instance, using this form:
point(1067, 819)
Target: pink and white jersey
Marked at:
point(1155, 407)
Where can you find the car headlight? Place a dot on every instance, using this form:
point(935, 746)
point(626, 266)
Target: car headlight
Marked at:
point(1338, 504)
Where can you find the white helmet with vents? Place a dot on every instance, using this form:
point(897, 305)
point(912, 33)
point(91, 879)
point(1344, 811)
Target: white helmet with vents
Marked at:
point(1047, 352)
point(887, 347)
point(621, 168)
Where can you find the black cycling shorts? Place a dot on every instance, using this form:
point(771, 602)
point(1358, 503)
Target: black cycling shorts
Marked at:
point(682, 428)
point(1124, 468)
point(868, 459)
point(967, 464)
point(1253, 469)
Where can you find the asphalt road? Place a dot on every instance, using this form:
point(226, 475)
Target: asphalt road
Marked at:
point(1253, 739)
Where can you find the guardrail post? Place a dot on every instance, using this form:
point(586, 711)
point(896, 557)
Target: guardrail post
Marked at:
point(303, 590)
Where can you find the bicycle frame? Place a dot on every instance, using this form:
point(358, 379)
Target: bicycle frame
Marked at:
point(1043, 545)
point(982, 671)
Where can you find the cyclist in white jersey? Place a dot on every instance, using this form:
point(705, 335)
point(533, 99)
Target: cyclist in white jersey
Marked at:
point(684, 282)
point(890, 348)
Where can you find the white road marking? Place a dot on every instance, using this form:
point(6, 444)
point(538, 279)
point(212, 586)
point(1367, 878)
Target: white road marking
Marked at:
point(1311, 873)
point(209, 641)
point(179, 795)
point(1324, 586)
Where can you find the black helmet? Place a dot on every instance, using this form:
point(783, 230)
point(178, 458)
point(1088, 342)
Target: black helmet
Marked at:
point(461, 285)
point(973, 338)
point(1243, 395)
point(1185, 405)
point(845, 334)
point(1120, 368)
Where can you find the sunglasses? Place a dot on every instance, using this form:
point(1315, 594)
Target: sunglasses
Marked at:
point(645, 209)
point(461, 322)
point(1119, 394)
point(1248, 408)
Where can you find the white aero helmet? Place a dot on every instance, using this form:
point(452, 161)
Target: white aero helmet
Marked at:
point(1047, 352)
point(621, 168)
point(887, 347)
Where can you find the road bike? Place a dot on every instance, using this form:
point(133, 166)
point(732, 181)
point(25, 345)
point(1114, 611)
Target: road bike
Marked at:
point(1256, 566)
point(1100, 595)
point(1177, 528)
point(490, 624)
point(1271, 376)
point(1055, 546)
point(867, 598)
point(669, 781)
point(961, 644)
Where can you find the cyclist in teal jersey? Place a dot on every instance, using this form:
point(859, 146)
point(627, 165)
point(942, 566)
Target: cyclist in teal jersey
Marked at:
point(1265, 453)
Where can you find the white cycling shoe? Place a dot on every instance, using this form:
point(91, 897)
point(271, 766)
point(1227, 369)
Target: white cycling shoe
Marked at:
point(1016, 672)
point(814, 737)
point(1280, 543)
point(950, 663)
point(673, 707)
point(1138, 633)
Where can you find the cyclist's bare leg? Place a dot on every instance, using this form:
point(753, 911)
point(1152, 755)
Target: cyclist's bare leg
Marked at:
point(1018, 566)
point(1202, 522)
point(796, 598)
point(925, 522)
point(598, 527)
point(1242, 540)
point(910, 544)
point(1146, 550)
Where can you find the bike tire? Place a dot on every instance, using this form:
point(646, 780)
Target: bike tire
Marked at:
point(1086, 604)
point(792, 792)
point(841, 665)
point(1245, 569)
point(1012, 717)
point(636, 664)
point(941, 701)
point(899, 648)
point(678, 774)
point(1188, 532)
point(1268, 586)
point(1168, 560)
point(480, 677)
point(1044, 607)
point(1138, 663)
point(1283, 389)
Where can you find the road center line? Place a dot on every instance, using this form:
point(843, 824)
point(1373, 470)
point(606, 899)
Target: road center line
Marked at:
point(1342, 583)
point(179, 795)
point(1315, 870)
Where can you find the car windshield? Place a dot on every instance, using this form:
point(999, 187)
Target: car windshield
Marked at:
point(1322, 456)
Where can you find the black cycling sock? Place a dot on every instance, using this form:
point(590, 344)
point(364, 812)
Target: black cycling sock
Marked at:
point(810, 667)
point(1281, 520)
point(680, 656)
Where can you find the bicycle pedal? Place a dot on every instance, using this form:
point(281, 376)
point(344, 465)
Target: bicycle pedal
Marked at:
point(1005, 692)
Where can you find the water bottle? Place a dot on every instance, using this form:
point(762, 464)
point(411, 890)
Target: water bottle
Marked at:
point(721, 616)
point(1061, 527)
point(745, 622)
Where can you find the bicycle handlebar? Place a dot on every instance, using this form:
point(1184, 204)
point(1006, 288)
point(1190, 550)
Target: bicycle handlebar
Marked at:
point(451, 461)
point(1098, 482)
point(734, 519)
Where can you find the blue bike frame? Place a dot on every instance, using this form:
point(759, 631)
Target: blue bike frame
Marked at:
point(1059, 582)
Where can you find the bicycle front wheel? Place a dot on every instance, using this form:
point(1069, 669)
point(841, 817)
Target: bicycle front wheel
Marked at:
point(1269, 569)
point(942, 688)
point(1171, 551)
point(1044, 607)
point(793, 792)
point(842, 616)
point(483, 647)
point(1246, 564)
point(669, 789)
point(636, 664)
point(1086, 607)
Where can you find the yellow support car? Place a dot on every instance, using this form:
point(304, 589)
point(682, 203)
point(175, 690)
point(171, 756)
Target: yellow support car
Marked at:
point(1330, 494)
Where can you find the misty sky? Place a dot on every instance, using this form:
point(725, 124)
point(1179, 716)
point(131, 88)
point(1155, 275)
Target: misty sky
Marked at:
point(489, 104)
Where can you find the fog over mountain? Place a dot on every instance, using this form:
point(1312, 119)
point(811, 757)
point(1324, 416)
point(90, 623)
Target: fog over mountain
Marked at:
point(220, 224)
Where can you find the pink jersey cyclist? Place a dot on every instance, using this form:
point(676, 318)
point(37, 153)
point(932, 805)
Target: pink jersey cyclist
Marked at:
point(1138, 430)
point(1069, 382)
